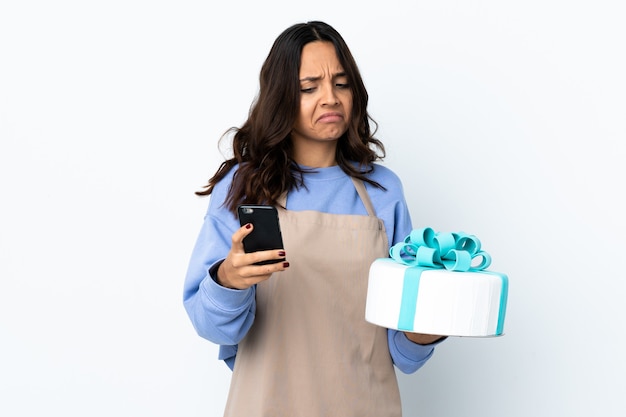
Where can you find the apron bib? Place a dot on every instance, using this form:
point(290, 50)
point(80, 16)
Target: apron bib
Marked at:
point(310, 352)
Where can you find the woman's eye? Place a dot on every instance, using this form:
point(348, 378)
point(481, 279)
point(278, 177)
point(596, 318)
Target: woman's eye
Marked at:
point(307, 90)
point(342, 85)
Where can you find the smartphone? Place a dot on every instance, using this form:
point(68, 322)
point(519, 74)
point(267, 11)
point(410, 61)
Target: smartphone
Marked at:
point(266, 234)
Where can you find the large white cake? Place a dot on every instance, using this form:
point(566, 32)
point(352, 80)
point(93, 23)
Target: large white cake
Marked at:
point(435, 300)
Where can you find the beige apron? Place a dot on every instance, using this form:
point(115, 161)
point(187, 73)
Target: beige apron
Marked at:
point(310, 352)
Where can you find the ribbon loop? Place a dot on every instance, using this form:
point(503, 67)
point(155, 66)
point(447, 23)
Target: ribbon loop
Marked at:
point(452, 251)
point(457, 260)
point(485, 260)
point(426, 256)
point(468, 243)
point(445, 242)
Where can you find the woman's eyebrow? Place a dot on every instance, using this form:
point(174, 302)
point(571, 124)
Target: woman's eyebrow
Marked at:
point(310, 79)
point(313, 79)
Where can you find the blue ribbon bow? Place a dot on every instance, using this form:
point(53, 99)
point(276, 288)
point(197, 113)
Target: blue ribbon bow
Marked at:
point(452, 251)
point(424, 249)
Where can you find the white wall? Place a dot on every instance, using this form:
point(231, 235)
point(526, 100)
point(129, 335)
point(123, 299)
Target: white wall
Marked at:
point(504, 119)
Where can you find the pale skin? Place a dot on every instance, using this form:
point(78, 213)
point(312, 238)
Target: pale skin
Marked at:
point(325, 109)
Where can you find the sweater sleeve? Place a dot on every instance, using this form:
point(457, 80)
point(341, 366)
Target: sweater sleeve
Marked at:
point(220, 315)
point(408, 356)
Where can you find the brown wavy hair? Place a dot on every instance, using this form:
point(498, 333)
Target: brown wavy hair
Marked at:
point(262, 146)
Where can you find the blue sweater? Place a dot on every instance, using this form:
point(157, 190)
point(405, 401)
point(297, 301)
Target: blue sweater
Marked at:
point(224, 315)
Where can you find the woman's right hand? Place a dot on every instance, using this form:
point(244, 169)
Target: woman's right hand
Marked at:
point(238, 270)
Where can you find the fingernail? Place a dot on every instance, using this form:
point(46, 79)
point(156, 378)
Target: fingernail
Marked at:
point(248, 226)
point(281, 253)
point(285, 264)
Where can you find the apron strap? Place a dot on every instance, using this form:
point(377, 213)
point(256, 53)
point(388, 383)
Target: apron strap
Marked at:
point(365, 197)
point(360, 189)
point(282, 200)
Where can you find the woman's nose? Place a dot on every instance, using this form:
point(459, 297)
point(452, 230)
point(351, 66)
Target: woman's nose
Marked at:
point(329, 95)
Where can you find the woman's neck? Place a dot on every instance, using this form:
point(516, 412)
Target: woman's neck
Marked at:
point(316, 155)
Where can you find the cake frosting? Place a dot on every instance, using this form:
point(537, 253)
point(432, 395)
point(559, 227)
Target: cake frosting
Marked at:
point(437, 283)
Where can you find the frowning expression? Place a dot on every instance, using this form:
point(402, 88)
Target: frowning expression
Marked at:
point(325, 95)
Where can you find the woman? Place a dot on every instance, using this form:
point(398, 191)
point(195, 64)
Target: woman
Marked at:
point(294, 332)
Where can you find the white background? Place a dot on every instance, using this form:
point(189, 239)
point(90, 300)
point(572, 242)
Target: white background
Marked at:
point(504, 119)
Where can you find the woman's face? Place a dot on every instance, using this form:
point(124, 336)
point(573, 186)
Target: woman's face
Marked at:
point(325, 97)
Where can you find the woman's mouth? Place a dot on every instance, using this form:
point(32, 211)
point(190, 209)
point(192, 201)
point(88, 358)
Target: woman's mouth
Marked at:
point(330, 117)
